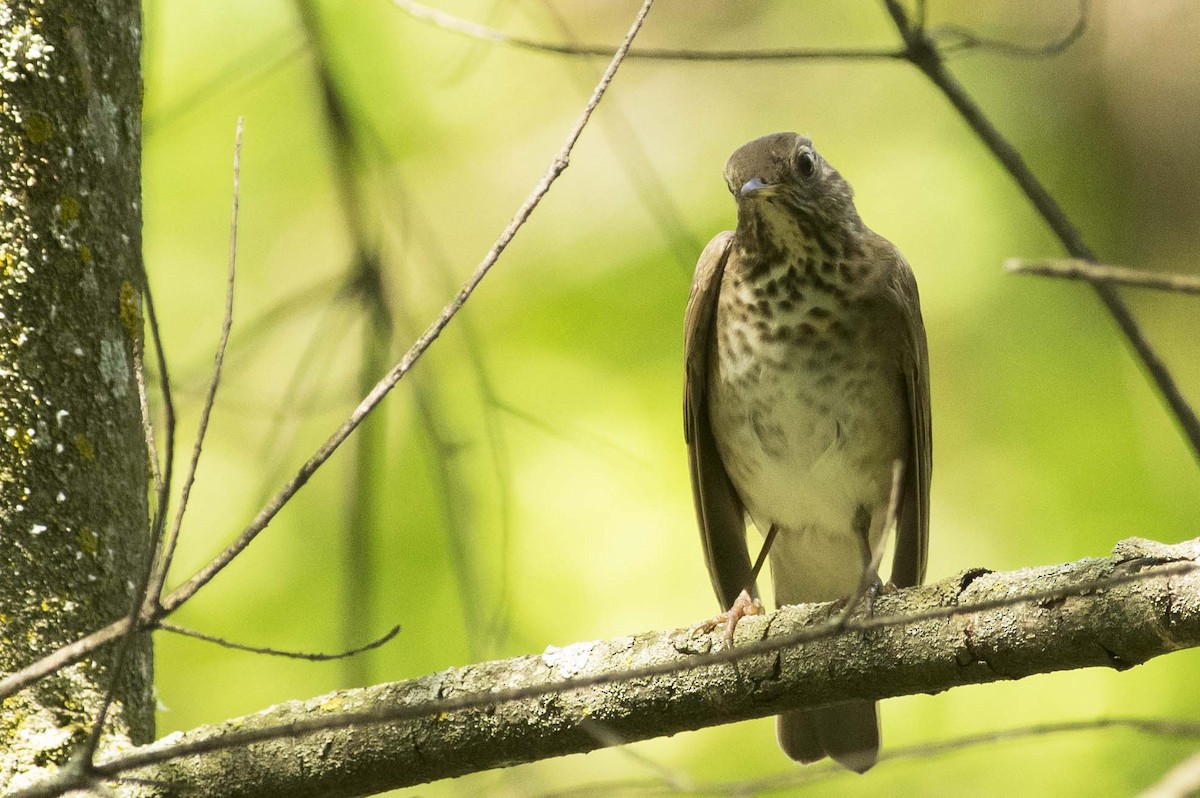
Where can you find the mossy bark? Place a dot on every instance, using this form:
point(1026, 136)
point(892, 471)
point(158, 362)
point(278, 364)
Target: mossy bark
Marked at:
point(74, 534)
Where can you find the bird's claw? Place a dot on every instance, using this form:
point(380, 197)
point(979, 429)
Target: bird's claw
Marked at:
point(743, 605)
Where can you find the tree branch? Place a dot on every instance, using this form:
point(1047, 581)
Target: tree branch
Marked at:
point(464, 27)
point(972, 628)
point(1072, 269)
point(923, 53)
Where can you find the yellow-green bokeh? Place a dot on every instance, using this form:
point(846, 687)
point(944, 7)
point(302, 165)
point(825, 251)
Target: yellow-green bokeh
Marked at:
point(1050, 445)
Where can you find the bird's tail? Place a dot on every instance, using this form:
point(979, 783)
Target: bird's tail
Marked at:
point(848, 732)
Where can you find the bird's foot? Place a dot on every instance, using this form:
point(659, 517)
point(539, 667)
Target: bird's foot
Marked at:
point(867, 592)
point(874, 591)
point(743, 605)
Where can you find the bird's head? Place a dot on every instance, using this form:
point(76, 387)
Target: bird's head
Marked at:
point(782, 181)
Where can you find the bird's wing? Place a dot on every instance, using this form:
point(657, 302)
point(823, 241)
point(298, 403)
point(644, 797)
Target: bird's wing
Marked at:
point(718, 509)
point(912, 535)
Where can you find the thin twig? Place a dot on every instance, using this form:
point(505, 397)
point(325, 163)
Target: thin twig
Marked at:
point(167, 626)
point(469, 701)
point(923, 53)
point(63, 656)
point(164, 387)
point(967, 39)
point(449, 22)
point(85, 753)
point(389, 381)
point(1073, 269)
point(85, 645)
point(639, 167)
point(210, 399)
point(139, 378)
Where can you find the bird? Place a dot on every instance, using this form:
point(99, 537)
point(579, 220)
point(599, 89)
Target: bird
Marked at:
point(806, 408)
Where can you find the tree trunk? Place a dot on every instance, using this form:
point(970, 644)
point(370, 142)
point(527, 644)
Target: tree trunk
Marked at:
point(74, 536)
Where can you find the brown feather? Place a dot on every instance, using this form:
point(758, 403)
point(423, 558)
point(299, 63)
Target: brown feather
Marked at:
point(912, 530)
point(718, 509)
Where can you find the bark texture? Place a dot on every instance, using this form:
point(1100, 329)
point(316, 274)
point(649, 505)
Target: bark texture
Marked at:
point(429, 734)
point(73, 467)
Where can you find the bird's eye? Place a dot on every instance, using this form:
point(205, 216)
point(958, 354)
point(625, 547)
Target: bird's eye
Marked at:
point(806, 163)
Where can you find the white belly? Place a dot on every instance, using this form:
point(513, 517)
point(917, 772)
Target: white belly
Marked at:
point(810, 449)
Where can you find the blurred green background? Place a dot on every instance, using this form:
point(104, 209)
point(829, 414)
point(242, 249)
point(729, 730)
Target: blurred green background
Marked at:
point(528, 485)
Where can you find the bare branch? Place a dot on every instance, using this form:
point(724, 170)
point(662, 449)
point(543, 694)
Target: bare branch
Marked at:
point(384, 386)
point(922, 51)
point(966, 39)
point(1072, 269)
point(168, 552)
point(166, 626)
point(150, 584)
point(62, 657)
point(474, 30)
point(972, 628)
point(139, 378)
point(164, 386)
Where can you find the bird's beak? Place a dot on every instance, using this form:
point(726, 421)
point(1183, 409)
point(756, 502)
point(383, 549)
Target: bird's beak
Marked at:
point(757, 188)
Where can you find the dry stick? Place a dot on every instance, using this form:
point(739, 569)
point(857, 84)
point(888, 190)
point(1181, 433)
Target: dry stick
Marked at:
point(1069, 268)
point(164, 386)
point(150, 586)
point(277, 652)
point(139, 378)
point(923, 53)
point(180, 595)
point(210, 398)
point(449, 22)
point(149, 590)
point(639, 168)
point(63, 656)
point(968, 39)
point(81, 759)
point(296, 728)
point(385, 385)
